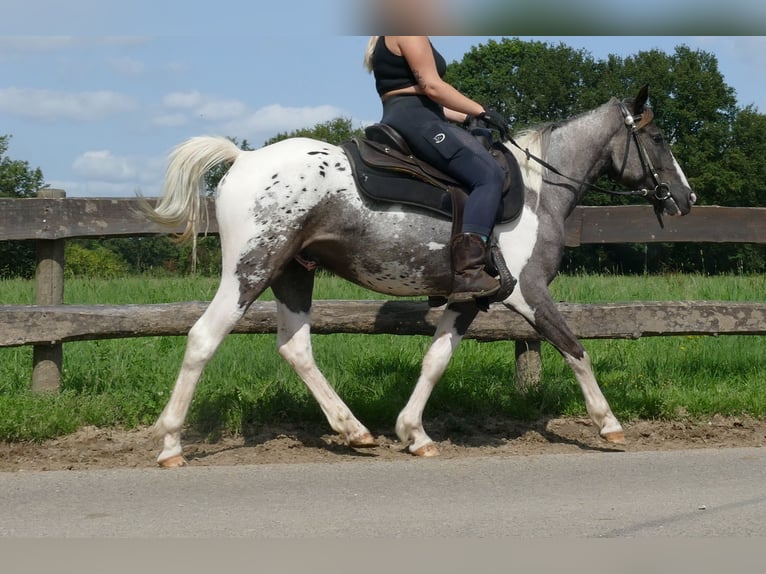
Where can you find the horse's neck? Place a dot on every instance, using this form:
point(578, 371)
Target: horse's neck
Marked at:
point(580, 148)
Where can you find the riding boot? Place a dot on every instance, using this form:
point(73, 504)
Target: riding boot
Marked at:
point(469, 258)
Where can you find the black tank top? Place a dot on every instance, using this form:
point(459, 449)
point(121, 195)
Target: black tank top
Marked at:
point(393, 73)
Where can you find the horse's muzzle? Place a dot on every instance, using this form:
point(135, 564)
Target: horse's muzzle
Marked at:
point(670, 205)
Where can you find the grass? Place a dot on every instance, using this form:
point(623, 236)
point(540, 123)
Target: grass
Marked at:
point(126, 382)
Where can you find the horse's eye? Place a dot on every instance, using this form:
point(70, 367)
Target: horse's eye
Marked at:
point(657, 138)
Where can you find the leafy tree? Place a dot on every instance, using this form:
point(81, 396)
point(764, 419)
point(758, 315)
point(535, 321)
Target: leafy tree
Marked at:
point(528, 82)
point(334, 131)
point(741, 179)
point(17, 179)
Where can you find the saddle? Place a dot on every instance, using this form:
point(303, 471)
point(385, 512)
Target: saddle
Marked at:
point(386, 170)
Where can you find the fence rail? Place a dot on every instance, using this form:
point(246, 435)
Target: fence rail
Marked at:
point(51, 219)
point(52, 325)
point(72, 218)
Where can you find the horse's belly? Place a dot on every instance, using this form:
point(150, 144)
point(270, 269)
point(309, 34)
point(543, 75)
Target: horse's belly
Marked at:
point(395, 251)
point(412, 273)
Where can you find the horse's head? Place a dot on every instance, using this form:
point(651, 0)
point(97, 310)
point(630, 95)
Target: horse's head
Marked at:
point(641, 158)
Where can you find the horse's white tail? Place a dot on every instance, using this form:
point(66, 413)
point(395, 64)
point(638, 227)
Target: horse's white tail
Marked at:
point(184, 189)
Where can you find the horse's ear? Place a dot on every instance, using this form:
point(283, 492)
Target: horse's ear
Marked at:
point(640, 102)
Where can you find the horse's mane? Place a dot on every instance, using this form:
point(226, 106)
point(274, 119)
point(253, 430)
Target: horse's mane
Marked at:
point(538, 136)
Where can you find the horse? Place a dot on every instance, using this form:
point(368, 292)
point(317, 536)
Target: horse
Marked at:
point(297, 199)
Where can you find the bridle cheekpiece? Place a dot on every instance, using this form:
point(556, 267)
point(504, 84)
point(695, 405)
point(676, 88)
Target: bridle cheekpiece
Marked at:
point(661, 190)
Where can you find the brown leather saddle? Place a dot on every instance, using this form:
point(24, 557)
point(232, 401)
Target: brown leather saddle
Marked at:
point(386, 170)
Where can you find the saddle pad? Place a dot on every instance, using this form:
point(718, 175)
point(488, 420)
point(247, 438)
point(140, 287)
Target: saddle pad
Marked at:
point(390, 185)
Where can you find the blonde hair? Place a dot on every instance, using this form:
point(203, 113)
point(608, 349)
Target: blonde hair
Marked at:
point(368, 54)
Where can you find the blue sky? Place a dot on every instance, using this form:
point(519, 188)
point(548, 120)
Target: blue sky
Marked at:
point(96, 98)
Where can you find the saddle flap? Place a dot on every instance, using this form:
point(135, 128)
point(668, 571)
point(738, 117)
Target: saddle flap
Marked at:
point(384, 156)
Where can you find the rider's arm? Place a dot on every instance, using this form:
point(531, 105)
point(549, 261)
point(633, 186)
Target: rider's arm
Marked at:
point(419, 55)
point(453, 116)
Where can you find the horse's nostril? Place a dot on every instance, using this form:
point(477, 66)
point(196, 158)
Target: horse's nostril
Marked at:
point(693, 198)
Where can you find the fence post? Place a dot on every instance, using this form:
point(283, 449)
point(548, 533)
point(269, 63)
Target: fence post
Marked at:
point(529, 365)
point(49, 290)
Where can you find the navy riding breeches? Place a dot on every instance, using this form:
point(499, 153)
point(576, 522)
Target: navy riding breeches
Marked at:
point(453, 150)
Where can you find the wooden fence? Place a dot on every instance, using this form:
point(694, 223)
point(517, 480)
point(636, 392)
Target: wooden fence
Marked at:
point(52, 218)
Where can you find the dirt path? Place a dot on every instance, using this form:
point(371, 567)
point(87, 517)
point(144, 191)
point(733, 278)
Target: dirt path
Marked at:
point(93, 448)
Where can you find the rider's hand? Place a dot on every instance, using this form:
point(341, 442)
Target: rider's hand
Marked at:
point(494, 119)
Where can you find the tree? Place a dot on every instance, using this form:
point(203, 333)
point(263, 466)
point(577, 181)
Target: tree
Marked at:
point(334, 132)
point(528, 82)
point(17, 179)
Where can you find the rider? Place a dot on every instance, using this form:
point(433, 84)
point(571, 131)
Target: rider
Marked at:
point(420, 105)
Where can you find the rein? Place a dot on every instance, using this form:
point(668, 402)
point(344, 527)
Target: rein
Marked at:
point(661, 189)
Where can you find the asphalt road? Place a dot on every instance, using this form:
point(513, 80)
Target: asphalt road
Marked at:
point(698, 493)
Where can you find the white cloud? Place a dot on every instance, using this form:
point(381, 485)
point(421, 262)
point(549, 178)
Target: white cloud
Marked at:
point(183, 100)
point(234, 117)
point(15, 45)
point(277, 118)
point(220, 110)
point(101, 173)
point(176, 67)
point(104, 166)
point(25, 44)
point(170, 120)
point(53, 105)
point(127, 66)
point(205, 107)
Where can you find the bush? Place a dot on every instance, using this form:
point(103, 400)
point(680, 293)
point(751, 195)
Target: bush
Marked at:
point(93, 262)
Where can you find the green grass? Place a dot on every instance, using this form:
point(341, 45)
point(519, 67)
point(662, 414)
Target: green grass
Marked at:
point(126, 382)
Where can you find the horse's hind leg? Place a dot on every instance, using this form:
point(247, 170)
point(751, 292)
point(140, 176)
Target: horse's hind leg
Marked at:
point(409, 424)
point(534, 302)
point(204, 338)
point(292, 292)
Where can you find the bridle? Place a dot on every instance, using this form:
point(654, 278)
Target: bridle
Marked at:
point(634, 124)
point(661, 189)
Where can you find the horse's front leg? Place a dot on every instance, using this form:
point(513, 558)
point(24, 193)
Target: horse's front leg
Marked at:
point(409, 425)
point(534, 302)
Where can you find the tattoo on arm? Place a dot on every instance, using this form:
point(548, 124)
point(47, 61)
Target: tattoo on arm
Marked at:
point(420, 80)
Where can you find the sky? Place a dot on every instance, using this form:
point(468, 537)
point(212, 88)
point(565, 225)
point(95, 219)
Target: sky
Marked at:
point(97, 97)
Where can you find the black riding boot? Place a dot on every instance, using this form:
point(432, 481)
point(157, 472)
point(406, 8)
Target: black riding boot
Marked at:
point(470, 280)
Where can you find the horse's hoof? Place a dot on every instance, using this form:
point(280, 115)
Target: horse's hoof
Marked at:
point(427, 450)
point(173, 462)
point(364, 441)
point(616, 437)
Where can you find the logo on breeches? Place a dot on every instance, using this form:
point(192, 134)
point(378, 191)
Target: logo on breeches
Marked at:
point(439, 138)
